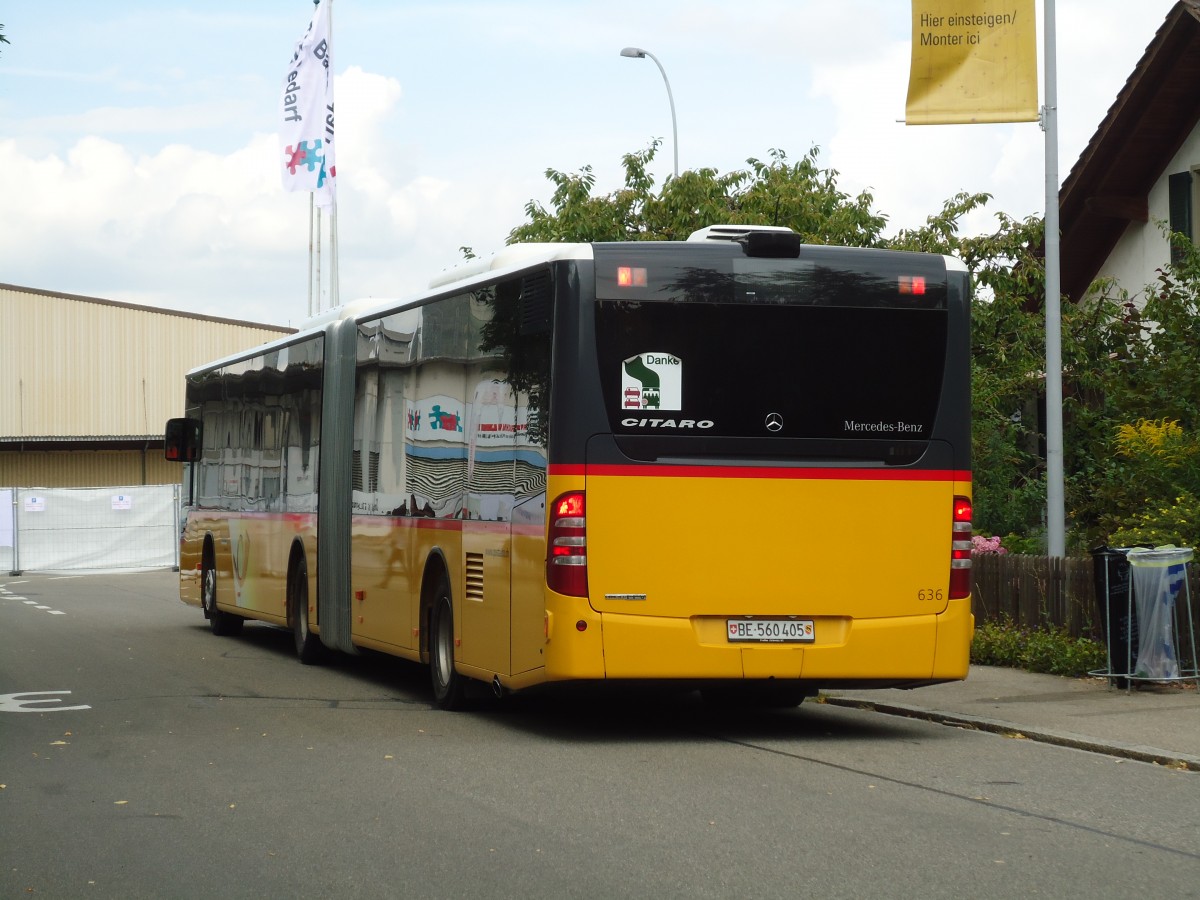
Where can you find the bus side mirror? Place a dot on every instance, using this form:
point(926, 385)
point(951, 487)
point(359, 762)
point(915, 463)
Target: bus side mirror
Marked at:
point(182, 440)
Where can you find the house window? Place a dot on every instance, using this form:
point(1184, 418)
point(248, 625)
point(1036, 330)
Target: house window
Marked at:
point(1181, 188)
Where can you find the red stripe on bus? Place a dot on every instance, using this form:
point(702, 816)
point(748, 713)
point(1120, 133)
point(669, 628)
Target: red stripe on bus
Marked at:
point(476, 526)
point(295, 518)
point(814, 474)
point(411, 521)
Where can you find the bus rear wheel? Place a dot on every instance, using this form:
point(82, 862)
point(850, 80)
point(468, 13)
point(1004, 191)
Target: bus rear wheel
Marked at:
point(448, 685)
point(220, 623)
point(309, 648)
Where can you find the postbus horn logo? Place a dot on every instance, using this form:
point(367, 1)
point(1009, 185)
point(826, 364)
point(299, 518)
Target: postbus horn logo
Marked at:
point(652, 381)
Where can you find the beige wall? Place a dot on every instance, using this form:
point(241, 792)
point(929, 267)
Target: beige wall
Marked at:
point(98, 372)
point(86, 468)
point(82, 367)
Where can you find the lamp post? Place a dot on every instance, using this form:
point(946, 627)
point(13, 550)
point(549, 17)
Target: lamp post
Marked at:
point(639, 53)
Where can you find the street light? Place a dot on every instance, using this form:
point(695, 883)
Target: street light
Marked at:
point(639, 53)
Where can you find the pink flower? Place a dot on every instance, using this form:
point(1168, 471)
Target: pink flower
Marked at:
point(981, 544)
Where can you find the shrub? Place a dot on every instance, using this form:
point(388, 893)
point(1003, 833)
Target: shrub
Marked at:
point(1160, 523)
point(1030, 545)
point(1151, 497)
point(1048, 649)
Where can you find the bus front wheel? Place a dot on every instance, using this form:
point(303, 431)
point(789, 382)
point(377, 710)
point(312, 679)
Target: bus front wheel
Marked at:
point(448, 684)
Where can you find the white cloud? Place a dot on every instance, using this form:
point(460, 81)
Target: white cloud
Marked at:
point(447, 119)
point(215, 233)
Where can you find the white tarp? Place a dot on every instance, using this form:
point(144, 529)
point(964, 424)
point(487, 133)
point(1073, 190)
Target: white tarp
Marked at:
point(6, 530)
point(95, 528)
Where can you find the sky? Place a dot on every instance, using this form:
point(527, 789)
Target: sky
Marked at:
point(139, 147)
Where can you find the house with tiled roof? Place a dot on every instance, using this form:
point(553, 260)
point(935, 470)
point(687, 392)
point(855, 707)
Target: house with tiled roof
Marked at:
point(1141, 169)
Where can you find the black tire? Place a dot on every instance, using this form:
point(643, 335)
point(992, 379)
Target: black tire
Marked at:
point(309, 648)
point(449, 687)
point(754, 695)
point(220, 623)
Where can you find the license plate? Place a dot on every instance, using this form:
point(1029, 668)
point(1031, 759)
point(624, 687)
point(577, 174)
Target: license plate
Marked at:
point(772, 631)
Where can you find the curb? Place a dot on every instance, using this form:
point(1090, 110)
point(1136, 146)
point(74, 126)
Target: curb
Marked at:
point(1139, 753)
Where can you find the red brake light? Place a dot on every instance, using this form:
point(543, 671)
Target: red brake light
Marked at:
point(912, 284)
point(566, 546)
point(960, 550)
point(962, 509)
point(569, 505)
point(631, 276)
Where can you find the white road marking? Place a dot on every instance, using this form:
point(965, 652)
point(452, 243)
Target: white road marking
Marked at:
point(24, 702)
point(36, 605)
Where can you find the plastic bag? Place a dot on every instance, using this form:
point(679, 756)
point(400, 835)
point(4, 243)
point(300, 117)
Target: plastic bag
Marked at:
point(1158, 577)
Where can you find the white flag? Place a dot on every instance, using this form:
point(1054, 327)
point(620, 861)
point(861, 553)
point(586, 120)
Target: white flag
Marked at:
point(306, 113)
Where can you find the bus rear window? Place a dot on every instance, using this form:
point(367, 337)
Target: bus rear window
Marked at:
point(778, 369)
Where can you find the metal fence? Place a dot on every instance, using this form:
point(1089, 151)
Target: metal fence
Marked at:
point(53, 529)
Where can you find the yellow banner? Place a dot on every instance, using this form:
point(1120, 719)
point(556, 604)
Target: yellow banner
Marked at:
point(973, 61)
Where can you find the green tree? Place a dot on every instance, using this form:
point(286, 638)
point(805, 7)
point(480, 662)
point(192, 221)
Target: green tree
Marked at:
point(1121, 365)
point(1007, 358)
point(1127, 488)
point(805, 197)
point(800, 195)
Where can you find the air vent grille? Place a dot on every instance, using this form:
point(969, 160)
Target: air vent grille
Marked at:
point(536, 303)
point(474, 589)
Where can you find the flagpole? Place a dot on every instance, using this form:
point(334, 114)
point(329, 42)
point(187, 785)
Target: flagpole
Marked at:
point(311, 207)
point(317, 260)
point(1055, 501)
point(334, 294)
point(317, 231)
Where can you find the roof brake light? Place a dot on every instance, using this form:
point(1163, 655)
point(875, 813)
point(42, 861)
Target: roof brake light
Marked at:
point(631, 276)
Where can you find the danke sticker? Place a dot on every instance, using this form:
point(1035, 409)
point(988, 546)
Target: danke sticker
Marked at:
point(652, 381)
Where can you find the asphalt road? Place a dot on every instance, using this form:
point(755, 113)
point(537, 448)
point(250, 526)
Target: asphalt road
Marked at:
point(140, 756)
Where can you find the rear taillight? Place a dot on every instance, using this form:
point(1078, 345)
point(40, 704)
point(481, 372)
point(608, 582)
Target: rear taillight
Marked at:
point(566, 546)
point(960, 550)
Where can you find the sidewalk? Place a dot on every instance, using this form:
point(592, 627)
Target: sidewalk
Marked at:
point(1154, 723)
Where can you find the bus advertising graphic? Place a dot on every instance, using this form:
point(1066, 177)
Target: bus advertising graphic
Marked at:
point(652, 381)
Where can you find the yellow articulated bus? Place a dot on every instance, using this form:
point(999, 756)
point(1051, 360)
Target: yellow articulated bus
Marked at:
point(735, 462)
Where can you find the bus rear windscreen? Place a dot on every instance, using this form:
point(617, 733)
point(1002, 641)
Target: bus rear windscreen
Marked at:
point(774, 349)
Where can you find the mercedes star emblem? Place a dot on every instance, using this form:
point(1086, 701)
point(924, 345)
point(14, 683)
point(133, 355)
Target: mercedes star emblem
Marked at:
point(774, 422)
